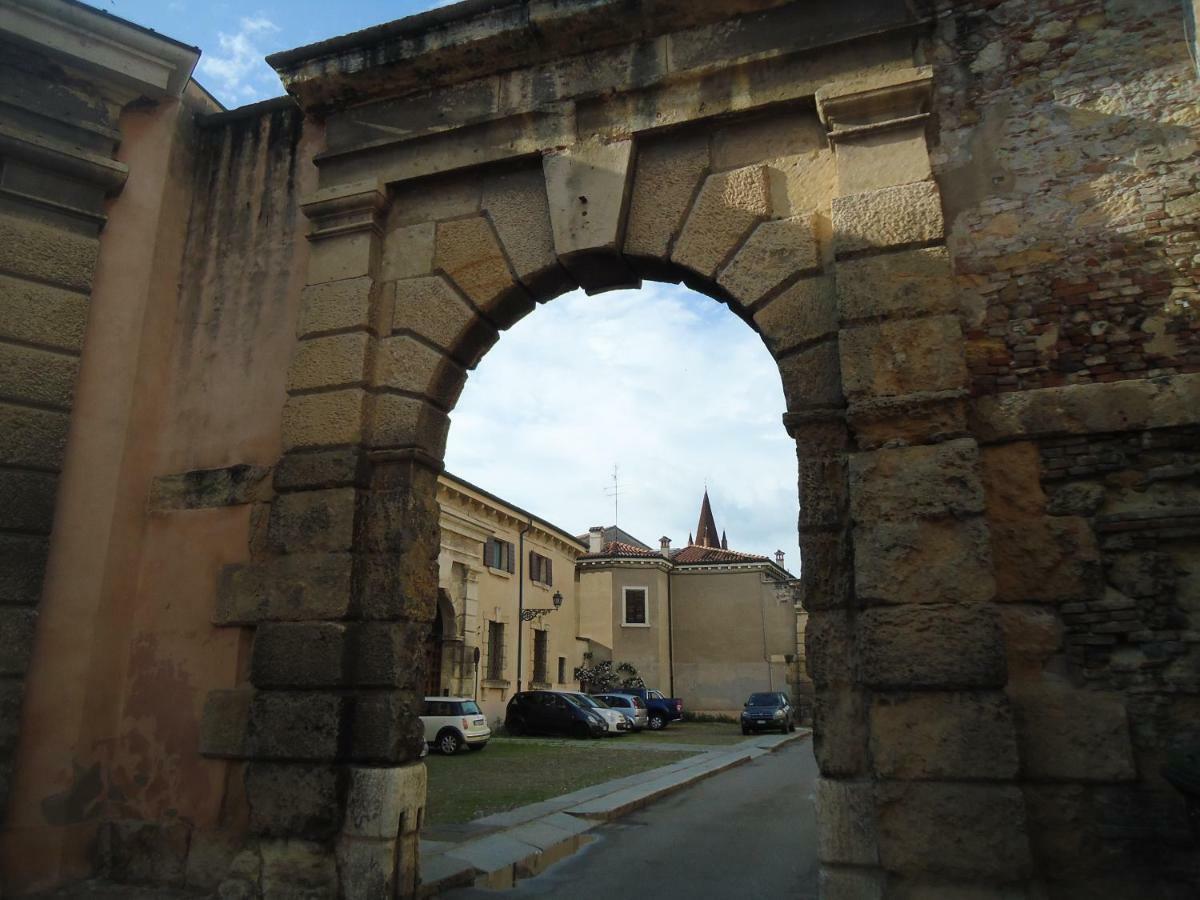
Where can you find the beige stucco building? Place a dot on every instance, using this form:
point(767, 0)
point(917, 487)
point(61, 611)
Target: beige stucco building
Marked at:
point(702, 622)
point(496, 561)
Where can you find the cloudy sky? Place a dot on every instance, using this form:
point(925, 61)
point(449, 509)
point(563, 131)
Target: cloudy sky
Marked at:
point(664, 384)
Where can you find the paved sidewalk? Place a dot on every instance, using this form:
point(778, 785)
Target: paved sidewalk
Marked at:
point(498, 849)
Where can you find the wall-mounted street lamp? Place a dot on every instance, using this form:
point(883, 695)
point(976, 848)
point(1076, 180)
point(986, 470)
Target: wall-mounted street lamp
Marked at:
point(528, 615)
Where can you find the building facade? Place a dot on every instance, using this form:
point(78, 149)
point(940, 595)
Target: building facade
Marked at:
point(496, 561)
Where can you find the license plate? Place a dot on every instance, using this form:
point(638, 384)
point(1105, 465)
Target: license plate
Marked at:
point(762, 722)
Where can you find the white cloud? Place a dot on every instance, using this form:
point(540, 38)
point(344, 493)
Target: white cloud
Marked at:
point(238, 67)
point(665, 383)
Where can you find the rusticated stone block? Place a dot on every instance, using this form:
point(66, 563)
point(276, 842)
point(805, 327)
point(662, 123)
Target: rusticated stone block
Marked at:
point(298, 654)
point(943, 736)
point(297, 725)
point(224, 722)
point(823, 490)
point(893, 359)
point(207, 488)
point(387, 654)
point(830, 647)
point(729, 205)
point(337, 360)
point(774, 252)
point(37, 375)
point(668, 171)
point(812, 377)
point(1072, 735)
point(408, 251)
point(387, 729)
point(294, 800)
point(385, 802)
point(401, 584)
point(923, 418)
point(399, 421)
point(956, 830)
point(308, 469)
point(34, 313)
point(336, 306)
point(890, 217)
point(1052, 559)
point(801, 314)
point(1032, 634)
point(1012, 481)
point(367, 868)
point(840, 733)
point(294, 868)
point(28, 500)
point(323, 420)
point(827, 576)
point(469, 253)
point(923, 482)
point(520, 213)
point(1077, 499)
point(22, 562)
point(931, 647)
point(47, 254)
point(314, 521)
point(32, 437)
point(846, 822)
point(11, 692)
point(285, 588)
point(897, 285)
point(341, 257)
point(17, 625)
point(405, 364)
point(923, 561)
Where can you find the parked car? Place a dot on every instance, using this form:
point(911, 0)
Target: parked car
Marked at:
point(549, 712)
point(633, 706)
point(452, 722)
point(769, 710)
point(616, 722)
point(660, 710)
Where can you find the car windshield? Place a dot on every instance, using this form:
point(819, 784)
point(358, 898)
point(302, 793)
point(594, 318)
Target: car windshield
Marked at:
point(469, 708)
point(763, 700)
point(587, 702)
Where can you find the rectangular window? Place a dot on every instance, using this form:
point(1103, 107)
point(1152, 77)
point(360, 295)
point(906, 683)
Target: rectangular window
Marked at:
point(562, 670)
point(495, 664)
point(498, 554)
point(540, 569)
point(540, 645)
point(635, 606)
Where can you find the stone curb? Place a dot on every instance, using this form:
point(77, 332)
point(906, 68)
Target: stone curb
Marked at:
point(497, 860)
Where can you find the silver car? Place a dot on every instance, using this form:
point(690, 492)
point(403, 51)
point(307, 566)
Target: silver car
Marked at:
point(616, 721)
point(632, 705)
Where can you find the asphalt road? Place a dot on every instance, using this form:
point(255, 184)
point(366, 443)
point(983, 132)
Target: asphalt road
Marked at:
point(749, 832)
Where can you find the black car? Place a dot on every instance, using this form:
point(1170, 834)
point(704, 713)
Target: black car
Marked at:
point(547, 712)
point(766, 712)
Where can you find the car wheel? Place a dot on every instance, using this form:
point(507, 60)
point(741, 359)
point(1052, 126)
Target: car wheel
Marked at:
point(449, 742)
point(657, 722)
point(514, 727)
point(745, 730)
point(791, 726)
point(582, 731)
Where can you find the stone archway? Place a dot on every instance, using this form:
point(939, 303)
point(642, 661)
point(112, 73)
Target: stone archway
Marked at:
point(816, 222)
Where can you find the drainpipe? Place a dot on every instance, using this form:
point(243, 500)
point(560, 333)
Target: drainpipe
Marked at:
point(670, 643)
point(521, 599)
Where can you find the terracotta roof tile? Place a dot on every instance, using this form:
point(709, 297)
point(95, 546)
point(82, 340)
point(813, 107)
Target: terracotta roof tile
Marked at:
point(622, 550)
point(697, 554)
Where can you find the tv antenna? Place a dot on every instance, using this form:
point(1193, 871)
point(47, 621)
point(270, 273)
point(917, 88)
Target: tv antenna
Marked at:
point(615, 493)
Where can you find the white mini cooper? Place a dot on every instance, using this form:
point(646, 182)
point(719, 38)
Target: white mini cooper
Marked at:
point(451, 722)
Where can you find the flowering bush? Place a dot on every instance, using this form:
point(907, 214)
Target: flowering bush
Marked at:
point(603, 676)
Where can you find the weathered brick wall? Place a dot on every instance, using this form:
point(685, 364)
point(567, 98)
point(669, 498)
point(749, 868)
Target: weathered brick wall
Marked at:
point(1068, 133)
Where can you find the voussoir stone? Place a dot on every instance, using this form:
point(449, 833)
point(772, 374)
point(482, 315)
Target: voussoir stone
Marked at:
point(729, 205)
point(776, 251)
point(432, 309)
point(800, 314)
point(667, 173)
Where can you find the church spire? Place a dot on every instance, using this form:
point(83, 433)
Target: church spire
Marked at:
point(724, 540)
point(706, 529)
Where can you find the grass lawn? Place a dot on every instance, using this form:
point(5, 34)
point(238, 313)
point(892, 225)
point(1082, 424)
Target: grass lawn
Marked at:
point(713, 733)
point(512, 772)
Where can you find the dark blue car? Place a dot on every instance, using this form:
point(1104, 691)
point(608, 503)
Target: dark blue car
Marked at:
point(768, 712)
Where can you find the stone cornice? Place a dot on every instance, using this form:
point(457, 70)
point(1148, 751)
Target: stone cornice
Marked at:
point(132, 60)
point(857, 108)
point(64, 159)
point(346, 209)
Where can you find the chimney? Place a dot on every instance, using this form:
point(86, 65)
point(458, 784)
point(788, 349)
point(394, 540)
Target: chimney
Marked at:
point(664, 544)
point(779, 558)
point(595, 539)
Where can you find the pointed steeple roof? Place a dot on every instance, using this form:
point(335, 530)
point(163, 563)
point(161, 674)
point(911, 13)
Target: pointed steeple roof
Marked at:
point(706, 528)
point(724, 540)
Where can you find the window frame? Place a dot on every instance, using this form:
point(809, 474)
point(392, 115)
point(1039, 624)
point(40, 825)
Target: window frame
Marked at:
point(541, 656)
point(625, 623)
point(541, 569)
point(503, 559)
point(495, 661)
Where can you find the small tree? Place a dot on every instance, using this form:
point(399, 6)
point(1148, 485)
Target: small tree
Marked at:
point(598, 678)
